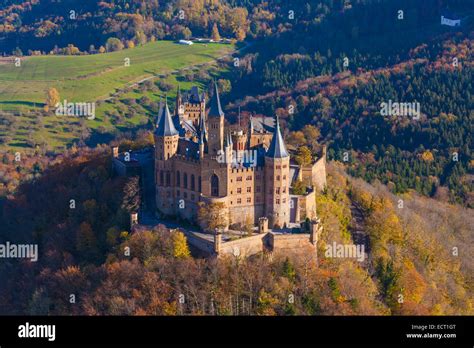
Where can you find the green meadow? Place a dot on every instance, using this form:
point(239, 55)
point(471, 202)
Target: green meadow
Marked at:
point(90, 78)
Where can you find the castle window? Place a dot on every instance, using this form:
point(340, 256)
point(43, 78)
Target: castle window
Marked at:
point(277, 201)
point(278, 167)
point(278, 177)
point(215, 185)
point(185, 179)
point(178, 179)
point(239, 190)
point(239, 178)
point(284, 189)
point(249, 177)
point(284, 166)
point(161, 178)
point(249, 200)
point(239, 201)
point(249, 189)
point(193, 185)
point(199, 184)
point(284, 177)
point(258, 177)
point(277, 190)
point(258, 189)
point(168, 178)
point(284, 200)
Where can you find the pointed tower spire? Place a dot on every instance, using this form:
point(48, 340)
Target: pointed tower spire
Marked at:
point(202, 130)
point(250, 125)
point(215, 108)
point(165, 125)
point(277, 147)
point(179, 100)
point(239, 117)
point(226, 140)
point(216, 124)
point(160, 111)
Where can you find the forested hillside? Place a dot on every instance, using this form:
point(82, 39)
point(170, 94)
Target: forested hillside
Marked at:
point(40, 25)
point(339, 80)
point(333, 61)
point(411, 266)
point(325, 68)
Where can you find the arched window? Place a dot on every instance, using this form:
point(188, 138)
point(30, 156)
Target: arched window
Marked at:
point(185, 179)
point(199, 185)
point(193, 185)
point(214, 185)
point(178, 178)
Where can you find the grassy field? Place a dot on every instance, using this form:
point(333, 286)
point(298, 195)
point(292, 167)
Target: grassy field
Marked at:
point(92, 77)
point(88, 79)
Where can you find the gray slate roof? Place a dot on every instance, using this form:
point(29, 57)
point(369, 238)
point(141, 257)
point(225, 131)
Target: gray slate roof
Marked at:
point(216, 109)
point(277, 147)
point(165, 126)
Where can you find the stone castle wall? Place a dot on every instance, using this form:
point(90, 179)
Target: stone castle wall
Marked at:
point(287, 242)
point(319, 173)
point(205, 246)
point(248, 246)
point(307, 206)
point(244, 247)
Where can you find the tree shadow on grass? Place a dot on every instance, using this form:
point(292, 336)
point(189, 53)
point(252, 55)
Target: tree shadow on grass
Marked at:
point(21, 102)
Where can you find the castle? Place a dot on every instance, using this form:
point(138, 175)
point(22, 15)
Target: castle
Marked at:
point(249, 171)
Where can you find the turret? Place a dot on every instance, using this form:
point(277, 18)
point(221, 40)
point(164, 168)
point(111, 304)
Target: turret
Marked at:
point(250, 131)
point(228, 148)
point(166, 146)
point(166, 135)
point(216, 124)
point(277, 180)
point(202, 138)
point(179, 107)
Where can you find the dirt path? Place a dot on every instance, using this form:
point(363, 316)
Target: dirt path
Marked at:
point(358, 232)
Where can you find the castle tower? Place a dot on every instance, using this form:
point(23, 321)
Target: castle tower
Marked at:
point(202, 137)
point(228, 149)
point(216, 124)
point(250, 130)
point(166, 146)
point(240, 140)
point(277, 181)
point(179, 107)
